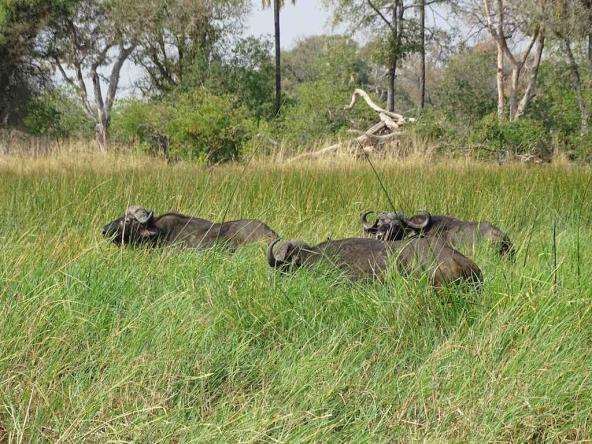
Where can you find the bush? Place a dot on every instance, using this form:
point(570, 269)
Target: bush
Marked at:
point(466, 90)
point(556, 104)
point(194, 124)
point(578, 147)
point(56, 114)
point(519, 136)
point(318, 112)
point(434, 125)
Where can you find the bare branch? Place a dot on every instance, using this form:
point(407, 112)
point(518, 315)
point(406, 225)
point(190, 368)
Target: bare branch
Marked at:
point(80, 86)
point(372, 105)
point(526, 53)
point(380, 14)
point(124, 53)
point(529, 93)
point(489, 18)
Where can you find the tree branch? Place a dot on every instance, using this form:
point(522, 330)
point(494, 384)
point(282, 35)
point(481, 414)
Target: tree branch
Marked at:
point(534, 38)
point(529, 93)
point(80, 86)
point(372, 105)
point(380, 14)
point(115, 71)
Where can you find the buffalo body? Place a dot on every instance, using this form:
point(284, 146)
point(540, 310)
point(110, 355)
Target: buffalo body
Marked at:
point(395, 226)
point(141, 227)
point(371, 258)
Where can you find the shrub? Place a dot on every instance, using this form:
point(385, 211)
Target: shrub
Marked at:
point(519, 136)
point(433, 125)
point(555, 103)
point(466, 90)
point(56, 114)
point(194, 124)
point(318, 112)
point(141, 123)
point(206, 126)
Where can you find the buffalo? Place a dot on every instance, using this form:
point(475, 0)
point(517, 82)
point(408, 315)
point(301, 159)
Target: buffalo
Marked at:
point(395, 226)
point(370, 258)
point(141, 227)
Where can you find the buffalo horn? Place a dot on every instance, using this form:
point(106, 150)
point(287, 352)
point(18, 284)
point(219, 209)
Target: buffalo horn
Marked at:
point(365, 223)
point(421, 225)
point(139, 213)
point(271, 257)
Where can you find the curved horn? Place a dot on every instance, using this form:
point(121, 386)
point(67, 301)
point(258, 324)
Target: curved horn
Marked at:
point(271, 260)
point(421, 225)
point(139, 213)
point(365, 223)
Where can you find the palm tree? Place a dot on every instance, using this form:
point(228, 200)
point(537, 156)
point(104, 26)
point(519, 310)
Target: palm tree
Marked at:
point(422, 67)
point(277, 5)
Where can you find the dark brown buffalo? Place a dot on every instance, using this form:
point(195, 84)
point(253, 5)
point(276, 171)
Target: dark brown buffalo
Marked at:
point(370, 258)
point(141, 227)
point(395, 226)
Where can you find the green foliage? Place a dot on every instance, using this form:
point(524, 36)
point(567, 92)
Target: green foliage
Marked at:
point(248, 74)
point(56, 114)
point(466, 89)
point(335, 59)
point(519, 136)
point(555, 103)
point(136, 122)
point(432, 125)
point(321, 73)
point(195, 124)
point(203, 125)
point(183, 42)
point(22, 76)
point(318, 112)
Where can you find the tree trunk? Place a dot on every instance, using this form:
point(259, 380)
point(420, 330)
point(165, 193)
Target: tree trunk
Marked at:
point(278, 72)
point(577, 85)
point(500, 82)
point(391, 86)
point(422, 62)
point(529, 92)
point(392, 73)
point(590, 48)
point(514, 91)
point(102, 135)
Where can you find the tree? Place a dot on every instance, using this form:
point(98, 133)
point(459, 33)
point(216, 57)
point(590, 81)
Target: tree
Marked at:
point(422, 69)
point(569, 22)
point(87, 38)
point(22, 76)
point(332, 58)
point(394, 32)
point(499, 29)
point(277, 5)
point(175, 46)
point(248, 74)
point(588, 17)
point(465, 89)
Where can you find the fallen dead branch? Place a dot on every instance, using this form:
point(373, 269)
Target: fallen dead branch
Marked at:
point(386, 130)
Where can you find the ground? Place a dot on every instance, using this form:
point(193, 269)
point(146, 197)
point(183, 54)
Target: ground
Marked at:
point(101, 344)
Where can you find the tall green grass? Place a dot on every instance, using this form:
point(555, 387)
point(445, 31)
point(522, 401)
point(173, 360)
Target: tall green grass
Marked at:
point(102, 344)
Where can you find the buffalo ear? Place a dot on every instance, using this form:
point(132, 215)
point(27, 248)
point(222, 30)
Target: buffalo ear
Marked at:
point(293, 251)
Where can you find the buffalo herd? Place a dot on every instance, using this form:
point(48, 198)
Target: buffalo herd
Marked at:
point(422, 245)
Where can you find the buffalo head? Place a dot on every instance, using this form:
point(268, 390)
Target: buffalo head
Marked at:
point(395, 226)
point(287, 254)
point(135, 227)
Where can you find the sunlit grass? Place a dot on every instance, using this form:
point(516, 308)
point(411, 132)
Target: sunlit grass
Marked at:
point(99, 344)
